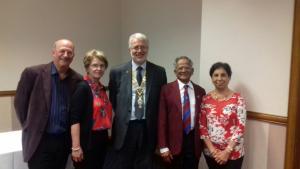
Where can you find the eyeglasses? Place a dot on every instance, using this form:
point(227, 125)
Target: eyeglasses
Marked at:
point(101, 66)
point(139, 47)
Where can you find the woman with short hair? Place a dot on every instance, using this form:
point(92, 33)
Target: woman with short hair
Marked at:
point(222, 122)
point(91, 115)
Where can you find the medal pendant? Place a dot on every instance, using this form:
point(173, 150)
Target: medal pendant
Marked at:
point(103, 114)
point(140, 102)
point(139, 96)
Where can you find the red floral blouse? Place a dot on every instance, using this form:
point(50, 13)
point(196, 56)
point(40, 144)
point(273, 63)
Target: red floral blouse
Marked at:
point(102, 109)
point(223, 121)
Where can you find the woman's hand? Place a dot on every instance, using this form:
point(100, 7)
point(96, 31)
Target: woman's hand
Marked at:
point(222, 157)
point(214, 151)
point(77, 154)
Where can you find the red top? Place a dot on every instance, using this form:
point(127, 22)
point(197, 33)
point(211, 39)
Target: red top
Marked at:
point(223, 121)
point(102, 109)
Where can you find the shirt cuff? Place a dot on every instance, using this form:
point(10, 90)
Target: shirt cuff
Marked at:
point(163, 150)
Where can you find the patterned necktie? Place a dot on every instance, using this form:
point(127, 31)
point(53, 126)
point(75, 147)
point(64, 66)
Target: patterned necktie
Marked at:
point(139, 75)
point(186, 111)
point(139, 109)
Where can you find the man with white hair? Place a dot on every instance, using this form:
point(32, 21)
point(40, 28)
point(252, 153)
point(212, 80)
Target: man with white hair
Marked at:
point(134, 90)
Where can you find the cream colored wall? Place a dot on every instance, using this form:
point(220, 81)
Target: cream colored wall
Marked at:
point(265, 145)
point(5, 114)
point(255, 37)
point(29, 28)
point(276, 147)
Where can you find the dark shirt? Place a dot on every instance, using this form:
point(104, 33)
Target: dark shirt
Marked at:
point(59, 112)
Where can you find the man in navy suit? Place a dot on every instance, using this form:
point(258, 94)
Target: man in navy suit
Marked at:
point(178, 134)
point(134, 90)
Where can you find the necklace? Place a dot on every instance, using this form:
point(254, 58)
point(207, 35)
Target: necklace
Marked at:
point(221, 97)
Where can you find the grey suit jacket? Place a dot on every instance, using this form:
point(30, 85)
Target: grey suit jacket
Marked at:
point(120, 94)
point(32, 104)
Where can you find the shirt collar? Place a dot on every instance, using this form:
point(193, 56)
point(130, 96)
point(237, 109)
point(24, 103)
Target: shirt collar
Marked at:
point(134, 65)
point(53, 69)
point(181, 84)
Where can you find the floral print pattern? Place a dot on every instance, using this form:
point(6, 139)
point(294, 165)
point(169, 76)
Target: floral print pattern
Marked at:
point(223, 121)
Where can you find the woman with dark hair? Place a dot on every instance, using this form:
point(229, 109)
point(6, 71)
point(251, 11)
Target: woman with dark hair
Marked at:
point(91, 114)
point(222, 121)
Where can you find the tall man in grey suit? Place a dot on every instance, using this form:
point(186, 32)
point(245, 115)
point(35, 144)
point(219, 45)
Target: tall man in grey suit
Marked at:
point(42, 105)
point(134, 89)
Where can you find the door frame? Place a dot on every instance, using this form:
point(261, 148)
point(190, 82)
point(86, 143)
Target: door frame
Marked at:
point(293, 129)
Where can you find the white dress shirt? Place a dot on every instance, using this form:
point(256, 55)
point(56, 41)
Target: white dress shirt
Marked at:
point(191, 93)
point(191, 97)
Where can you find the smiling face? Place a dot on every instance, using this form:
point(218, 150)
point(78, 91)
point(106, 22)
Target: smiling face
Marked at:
point(63, 54)
point(96, 69)
point(183, 70)
point(220, 79)
point(138, 50)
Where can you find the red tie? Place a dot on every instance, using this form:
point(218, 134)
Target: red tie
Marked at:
point(186, 111)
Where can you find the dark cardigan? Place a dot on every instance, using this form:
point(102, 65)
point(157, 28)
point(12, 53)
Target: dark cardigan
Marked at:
point(82, 112)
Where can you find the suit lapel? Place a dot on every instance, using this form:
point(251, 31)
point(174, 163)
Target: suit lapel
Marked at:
point(127, 77)
point(176, 96)
point(197, 98)
point(46, 81)
point(149, 80)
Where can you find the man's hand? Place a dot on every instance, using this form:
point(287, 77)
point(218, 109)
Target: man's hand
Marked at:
point(167, 156)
